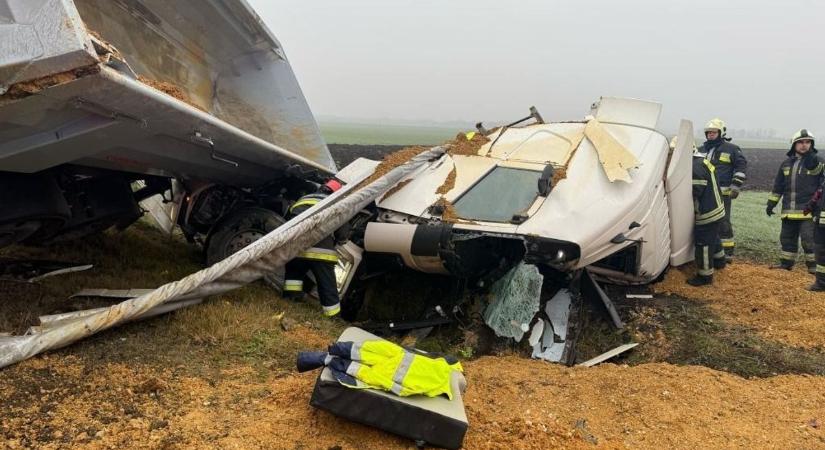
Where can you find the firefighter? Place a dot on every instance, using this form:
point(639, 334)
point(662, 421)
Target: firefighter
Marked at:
point(709, 212)
point(380, 364)
point(815, 206)
point(798, 178)
point(319, 259)
point(730, 166)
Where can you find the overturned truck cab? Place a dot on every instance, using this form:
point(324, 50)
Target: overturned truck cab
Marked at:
point(606, 195)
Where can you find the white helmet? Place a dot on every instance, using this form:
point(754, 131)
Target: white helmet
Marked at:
point(716, 124)
point(801, 135)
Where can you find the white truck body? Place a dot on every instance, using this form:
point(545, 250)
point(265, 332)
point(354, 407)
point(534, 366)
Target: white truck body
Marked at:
point(585, 220)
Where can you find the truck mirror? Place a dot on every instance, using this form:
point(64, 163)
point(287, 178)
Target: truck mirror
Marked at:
point(618, 239)
point(545, 183)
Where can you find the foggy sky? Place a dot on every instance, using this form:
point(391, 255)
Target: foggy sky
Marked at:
point(755, 64)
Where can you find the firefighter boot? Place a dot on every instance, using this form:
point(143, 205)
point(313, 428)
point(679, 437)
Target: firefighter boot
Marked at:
point(701, 280)
point(720, 263)
point(816, 287)
point(811, 268)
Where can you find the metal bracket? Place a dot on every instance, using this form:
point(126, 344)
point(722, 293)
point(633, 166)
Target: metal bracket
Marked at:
point(201, 139)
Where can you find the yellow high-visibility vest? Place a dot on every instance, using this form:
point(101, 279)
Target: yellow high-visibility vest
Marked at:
point(387, 366)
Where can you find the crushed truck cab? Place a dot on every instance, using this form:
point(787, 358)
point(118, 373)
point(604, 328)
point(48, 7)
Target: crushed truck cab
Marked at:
point(604, 193)
point(523, 222)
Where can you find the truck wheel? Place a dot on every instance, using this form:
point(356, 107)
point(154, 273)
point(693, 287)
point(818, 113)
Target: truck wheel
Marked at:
point(239, 229)
point(30, 204)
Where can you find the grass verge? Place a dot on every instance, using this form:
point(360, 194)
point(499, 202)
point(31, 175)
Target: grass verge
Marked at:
point(757, 235)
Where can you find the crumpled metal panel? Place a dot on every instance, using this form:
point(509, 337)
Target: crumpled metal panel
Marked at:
point(221, 56)
point(215, 56)
point(250, 264)
point(39, 38)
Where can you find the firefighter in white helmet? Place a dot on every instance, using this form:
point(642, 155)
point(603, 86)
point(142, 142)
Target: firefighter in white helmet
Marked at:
point(731, 166)
point(798, 178)
point(709, 211)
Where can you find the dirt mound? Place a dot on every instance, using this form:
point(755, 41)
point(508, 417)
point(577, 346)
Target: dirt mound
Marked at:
point(469, 147)
point(773, 302)
point(647, 406)
point(512, 402)
point(344, 154)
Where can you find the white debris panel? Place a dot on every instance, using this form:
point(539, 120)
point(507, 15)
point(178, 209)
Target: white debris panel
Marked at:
point(250, 264)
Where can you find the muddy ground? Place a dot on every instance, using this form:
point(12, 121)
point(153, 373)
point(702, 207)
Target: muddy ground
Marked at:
point(762, 167)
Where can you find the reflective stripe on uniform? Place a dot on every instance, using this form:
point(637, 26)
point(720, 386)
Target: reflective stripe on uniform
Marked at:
point(307, 202)
point(706, 268)
point(794, 215)
point(320, 254)
point(700, 182)
point(787, 255)
point(820, 268)
point(293, 285)
point(774, 197)
point(401, 372)
point(330, 311)
point(353, 368)
point(740, 175)
point(794, 171)
point(726, 190)
point(355, 352)
point(717, 213)
point(810, 257)
point(728, 243)
point(712, 215)
point(718, 255)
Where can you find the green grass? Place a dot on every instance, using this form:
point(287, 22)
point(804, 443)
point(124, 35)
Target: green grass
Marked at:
point(377, 134)
point(757, 235)
point(240, 326)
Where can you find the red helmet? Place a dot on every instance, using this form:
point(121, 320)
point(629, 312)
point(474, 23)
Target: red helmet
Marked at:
point(333, 185)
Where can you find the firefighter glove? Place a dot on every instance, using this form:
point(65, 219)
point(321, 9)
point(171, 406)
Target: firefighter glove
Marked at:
point(769, 208)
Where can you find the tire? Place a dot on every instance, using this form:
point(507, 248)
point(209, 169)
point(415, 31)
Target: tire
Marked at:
point(97, 204)
point(238, 229)
point(31, 204)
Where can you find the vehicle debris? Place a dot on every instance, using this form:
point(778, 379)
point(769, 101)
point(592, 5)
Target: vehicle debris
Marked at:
point(36, 270)
point(249, 264)
point(604, 300)
point(91, 112)
point(555, 345)
point(514, 301)
point(111, 293)
point(607, 355)
point(495, 205)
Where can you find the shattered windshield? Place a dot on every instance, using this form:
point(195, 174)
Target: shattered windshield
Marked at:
point(501, 194)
